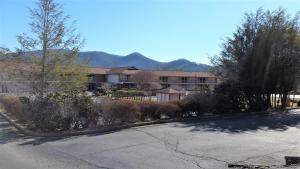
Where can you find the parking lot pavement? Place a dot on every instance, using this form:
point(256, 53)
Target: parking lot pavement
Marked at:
point(209, 144)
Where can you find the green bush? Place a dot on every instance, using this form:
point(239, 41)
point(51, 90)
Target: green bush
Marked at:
point(59, 111)
point(129, 93)
point(229, 98)
point(83, 104)
point(197, 103)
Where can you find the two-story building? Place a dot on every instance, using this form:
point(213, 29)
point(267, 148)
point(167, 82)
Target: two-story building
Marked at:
point(122, 77)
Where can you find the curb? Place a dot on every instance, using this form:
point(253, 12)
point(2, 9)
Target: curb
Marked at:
point(109, 129)
point(103, 130)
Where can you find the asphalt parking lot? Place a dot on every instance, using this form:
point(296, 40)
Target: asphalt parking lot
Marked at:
point(209, 144)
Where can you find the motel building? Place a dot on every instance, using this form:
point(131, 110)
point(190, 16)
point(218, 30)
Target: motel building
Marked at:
point(175, 85)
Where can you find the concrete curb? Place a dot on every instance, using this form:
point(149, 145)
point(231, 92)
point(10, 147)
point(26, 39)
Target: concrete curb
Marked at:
point(109, 129)
point(103, 130)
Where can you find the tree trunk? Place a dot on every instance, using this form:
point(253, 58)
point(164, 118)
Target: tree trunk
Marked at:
point(284, 100)
point(269, 100)
point(45, 50)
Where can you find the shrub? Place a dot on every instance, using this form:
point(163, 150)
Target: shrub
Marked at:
point(169, 109)
point(180, 113)
point(149, 110)
point(13, 105)
point(197, 103)
point(95, 114)
point(120, 111)
point(129, 93)
point(229, 98)
point(83, 104)
point(59, 111)
point(52, 113)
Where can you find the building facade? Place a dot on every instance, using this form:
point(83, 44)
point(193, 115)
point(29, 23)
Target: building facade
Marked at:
point(123, 77)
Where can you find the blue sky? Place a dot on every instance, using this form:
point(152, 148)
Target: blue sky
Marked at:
point(163, 30)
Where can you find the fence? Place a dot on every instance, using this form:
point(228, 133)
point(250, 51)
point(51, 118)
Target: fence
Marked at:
point(140, 98)
point(16, 88)
point(133, 98)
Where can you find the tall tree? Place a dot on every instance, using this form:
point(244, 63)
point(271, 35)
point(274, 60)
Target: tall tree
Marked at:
point(57, 45)
point(263, 56)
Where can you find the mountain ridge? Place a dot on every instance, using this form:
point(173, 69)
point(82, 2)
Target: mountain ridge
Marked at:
point(107, 60)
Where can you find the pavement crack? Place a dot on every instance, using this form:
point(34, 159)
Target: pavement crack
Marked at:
point(149, 134)
point(117, 148)
point(173, 147)
point(83, 160)
point(197, 156)
point(260, 156)
point(202, 157)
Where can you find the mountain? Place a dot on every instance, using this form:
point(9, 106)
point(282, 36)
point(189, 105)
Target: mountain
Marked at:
point(138, 60)
point(183, 64)
point(102, 59)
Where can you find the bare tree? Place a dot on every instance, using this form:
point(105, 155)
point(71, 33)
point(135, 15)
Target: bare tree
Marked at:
point(56, 42)
point(145, 80)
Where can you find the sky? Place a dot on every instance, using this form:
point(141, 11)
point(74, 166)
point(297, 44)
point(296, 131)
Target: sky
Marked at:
point(162, 30)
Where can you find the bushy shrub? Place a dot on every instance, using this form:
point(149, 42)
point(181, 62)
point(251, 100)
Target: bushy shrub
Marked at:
point(95, 115)
point(170, 109)
point(58, 111)
point(129, 93)
point(83, 104)
point(13, 105)
point(229, 98)
point(149, 110)
point(180, 113)
point(197, 103)
point(120, 111)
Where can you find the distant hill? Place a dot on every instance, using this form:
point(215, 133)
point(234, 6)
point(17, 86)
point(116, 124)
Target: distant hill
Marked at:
point(102, 59)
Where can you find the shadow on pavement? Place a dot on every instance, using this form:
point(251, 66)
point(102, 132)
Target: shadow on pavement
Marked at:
point(42, 140)
point(39, 141)
point(8, 133)
point(235, 124)
point(280, 121)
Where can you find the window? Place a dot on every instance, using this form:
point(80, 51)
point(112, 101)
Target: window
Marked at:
point(202, 87)
point(201, 80)
point(184, 86)
point(124, 78)
point(184, 79)
point(165, 85)
point(163, 79)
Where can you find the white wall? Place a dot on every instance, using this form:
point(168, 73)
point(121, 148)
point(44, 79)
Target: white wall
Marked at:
point(161, 97)
point(164, 97)
point(113, 79)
